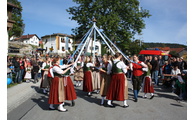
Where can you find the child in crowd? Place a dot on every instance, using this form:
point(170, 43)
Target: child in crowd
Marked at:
point(28, 75)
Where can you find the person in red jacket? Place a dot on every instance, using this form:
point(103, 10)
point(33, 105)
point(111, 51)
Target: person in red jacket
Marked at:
point(137, 72)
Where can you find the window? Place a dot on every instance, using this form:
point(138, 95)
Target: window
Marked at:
point(63, 49)
point(62, 40)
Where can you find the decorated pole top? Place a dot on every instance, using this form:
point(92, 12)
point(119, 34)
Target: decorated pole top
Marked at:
point(94, 20)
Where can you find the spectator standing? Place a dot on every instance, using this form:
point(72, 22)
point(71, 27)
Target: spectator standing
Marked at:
point(155, 69)
point(40, 62)
point(16, 64)
point(22, 68)
point(174, 62)
point(183, 65)
point(35, 70)
point(161, 64)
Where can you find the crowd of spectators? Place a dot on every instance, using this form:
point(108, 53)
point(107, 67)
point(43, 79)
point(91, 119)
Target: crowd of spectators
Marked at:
point(169, 70)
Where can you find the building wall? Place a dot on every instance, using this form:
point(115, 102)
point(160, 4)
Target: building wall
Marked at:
point(97, 47)
point(33, 41)
point(58, 43)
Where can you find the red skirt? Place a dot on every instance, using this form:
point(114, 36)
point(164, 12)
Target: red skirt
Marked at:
point(70, 93)
point(53, 94)
point(87, 82)
point(116, 89)
point(148, 86)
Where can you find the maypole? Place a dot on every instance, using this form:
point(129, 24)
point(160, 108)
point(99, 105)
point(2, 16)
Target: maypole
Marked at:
point(87, 39)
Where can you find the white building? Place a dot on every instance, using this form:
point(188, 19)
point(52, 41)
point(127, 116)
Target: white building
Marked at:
point(57, 43)
point(32, 39)
point(90, 48)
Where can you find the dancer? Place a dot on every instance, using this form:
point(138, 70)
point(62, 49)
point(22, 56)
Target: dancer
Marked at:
point(44, 82)
point(87, 82)
point(57, 88)
point(118, 89)
point(147, 83)
point(137, 73)
point(78, 75)
point(70, 93)
point(105, 78)
point(96, 76)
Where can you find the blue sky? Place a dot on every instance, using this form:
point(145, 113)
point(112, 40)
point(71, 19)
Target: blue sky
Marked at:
point(168, 23)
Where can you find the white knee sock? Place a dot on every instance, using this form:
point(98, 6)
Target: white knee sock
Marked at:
point(125, 102)
point(109, 102)
point(151, 94)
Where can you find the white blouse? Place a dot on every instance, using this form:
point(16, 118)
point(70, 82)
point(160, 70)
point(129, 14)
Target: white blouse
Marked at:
point(120, 65)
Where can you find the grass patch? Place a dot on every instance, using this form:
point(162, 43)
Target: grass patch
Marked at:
point(11, 85)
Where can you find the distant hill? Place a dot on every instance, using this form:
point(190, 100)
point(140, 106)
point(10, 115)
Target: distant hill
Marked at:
point(171, 45)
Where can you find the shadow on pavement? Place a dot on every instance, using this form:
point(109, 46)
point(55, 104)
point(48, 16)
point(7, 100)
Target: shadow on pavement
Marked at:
point(42, 102)
point(92, 99)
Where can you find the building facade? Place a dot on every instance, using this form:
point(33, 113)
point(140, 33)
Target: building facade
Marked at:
point(88, 49)
point(57, 43)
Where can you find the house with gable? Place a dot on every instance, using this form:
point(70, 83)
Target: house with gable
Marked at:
point(32, 39)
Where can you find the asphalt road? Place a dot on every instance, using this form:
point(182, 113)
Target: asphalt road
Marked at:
point(163, 106)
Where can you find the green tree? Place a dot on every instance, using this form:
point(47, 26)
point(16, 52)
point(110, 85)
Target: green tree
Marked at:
point(120, 19)
point(18, 26)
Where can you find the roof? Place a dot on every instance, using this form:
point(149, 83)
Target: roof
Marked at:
point(177, 50)
point(12, 5)
point(27, 37)
point(57, 34)
point(163, 48)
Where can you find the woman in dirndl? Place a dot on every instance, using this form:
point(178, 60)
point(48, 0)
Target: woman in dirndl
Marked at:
point(70, 93)
point(105, 78)
point(147, 83)
point(96, 75)
point(118, 88)
point(78, 75)
point(87, 81)
point(57, 91)
point(44, 82)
